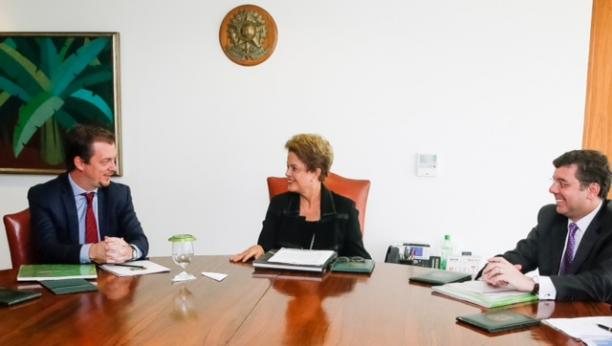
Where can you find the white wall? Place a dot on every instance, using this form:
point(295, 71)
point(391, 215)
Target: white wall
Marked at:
point(495, 88)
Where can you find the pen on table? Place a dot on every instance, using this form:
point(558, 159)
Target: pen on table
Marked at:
point(127, 265)
point(604, 327)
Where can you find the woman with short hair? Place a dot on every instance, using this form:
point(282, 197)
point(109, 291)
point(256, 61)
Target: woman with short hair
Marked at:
point(309, 216)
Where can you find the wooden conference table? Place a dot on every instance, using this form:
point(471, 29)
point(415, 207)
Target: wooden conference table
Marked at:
point(269, 308)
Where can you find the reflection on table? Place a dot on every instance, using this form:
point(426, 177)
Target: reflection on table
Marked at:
point(270, 308)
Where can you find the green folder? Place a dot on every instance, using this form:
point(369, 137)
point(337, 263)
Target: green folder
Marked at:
point(67, 286)
point(10, 297)
point(366, 267)
point(38, 272)
point(499, 321)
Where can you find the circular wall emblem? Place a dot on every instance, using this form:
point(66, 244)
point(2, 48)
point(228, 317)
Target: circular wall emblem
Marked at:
point(248, 35)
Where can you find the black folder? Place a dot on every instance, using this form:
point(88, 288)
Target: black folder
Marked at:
point(440, 277)
point(10, 297)
point(365, 267)
point(67, 286)
point(498, 321)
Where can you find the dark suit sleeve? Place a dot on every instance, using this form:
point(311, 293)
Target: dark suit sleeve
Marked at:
point(353, 241)
point(129, 227)
point(271, 225)
point(527, 251)
point(50, 229)
point(524, 254)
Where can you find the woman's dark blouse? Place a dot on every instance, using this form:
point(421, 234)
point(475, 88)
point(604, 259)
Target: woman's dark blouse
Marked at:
point(338, 229)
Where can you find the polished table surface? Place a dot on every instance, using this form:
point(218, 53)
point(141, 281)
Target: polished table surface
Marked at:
point(257, 308)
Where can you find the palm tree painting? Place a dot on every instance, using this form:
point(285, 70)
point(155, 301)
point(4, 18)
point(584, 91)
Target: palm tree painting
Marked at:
point(49, 83)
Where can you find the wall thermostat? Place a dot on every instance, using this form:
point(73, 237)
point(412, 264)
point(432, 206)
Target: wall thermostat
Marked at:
point(427, 165)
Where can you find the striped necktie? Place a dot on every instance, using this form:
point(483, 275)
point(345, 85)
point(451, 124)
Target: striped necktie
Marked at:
point(91, 227)
point(568, 256)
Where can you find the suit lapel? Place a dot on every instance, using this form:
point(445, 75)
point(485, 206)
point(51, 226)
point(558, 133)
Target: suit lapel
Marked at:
point(328, 207)
point(589, 239)
point(102, 211)
point(559, 234)
point(70, 210)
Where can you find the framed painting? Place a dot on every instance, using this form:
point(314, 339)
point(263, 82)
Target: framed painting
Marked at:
point(49, 83)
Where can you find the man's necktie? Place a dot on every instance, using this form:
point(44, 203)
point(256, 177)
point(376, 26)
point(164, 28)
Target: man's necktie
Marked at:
point(91, 227)
point(568, 256)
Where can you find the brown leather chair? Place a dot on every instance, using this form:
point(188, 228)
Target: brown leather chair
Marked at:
point(18, 234)
point(356, 190)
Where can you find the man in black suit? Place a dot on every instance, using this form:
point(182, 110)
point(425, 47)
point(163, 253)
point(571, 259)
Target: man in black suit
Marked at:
point(572, 242)
point(81, 216)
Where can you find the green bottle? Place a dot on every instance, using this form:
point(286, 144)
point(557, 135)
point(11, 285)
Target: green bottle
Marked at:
point(446, 251)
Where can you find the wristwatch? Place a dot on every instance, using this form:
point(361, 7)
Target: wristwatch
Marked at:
point(536, 289)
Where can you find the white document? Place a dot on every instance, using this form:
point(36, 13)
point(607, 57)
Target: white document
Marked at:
point(480, 286)
point(584, 328)
point(215, 276)
point(482, 290)
point(150, 268)
point(481, 293)
point(302, 257)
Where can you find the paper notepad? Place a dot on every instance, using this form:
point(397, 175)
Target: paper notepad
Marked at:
point(149, 268)
point(583, 328)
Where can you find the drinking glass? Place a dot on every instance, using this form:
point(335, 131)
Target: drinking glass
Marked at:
point(182, 252)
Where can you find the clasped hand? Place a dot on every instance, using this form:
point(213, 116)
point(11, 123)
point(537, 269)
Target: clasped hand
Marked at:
point(111, 250)
point(499, 273)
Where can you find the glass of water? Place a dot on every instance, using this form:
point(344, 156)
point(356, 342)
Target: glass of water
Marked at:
point(182, 253)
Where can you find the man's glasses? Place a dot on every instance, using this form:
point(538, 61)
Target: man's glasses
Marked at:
point(345, 259)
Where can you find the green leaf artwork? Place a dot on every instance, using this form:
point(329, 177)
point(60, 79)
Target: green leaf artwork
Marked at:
point(49, 83)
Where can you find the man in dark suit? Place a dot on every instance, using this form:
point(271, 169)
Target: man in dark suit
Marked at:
point(571, 245)
point(81, 216)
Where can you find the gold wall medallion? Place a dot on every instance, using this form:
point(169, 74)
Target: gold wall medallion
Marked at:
point(248, 35)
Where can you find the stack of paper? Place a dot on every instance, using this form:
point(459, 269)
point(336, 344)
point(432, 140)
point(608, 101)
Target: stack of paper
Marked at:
point(591, 330)
point(296, 259)
point(483, 294)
